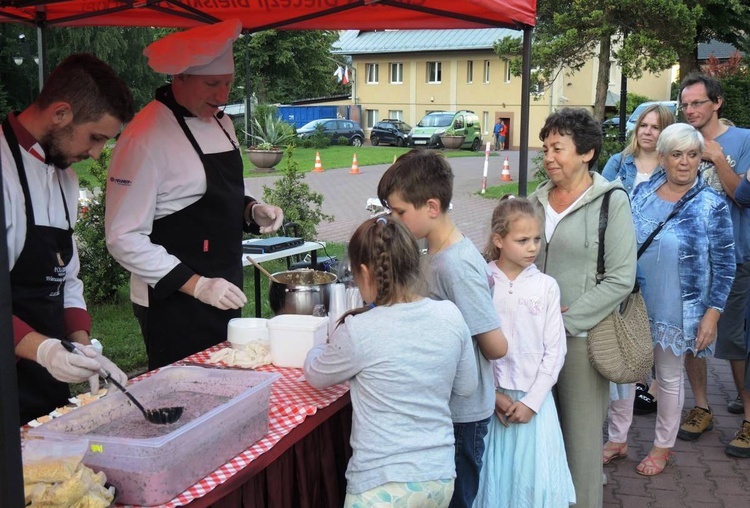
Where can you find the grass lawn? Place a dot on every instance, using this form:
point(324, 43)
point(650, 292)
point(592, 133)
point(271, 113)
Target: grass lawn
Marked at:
point(509, 188)
point(115, 326)
point(331, 157)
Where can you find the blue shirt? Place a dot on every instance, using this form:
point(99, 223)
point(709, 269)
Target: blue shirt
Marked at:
point(736, 145)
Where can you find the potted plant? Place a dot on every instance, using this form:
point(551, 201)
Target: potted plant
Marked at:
point(451, 139)
point(270, 137)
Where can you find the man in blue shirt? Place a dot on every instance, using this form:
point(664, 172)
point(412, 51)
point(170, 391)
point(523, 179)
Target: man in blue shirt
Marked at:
point(725, 158)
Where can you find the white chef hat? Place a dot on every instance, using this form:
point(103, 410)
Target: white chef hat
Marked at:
point(203, 50)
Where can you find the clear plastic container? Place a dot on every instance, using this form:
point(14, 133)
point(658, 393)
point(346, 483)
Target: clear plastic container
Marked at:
point(291, 336)
point(226, 411)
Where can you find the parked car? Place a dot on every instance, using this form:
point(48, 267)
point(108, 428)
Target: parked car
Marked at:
point(611, 127)
point(464, 123)
point(335, 128)
point(630, 125)
point(390, 131)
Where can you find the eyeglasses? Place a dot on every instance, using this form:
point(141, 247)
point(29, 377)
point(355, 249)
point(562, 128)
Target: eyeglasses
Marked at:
point(693, 105)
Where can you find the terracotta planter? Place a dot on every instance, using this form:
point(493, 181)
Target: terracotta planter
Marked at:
point(452, 141)
point(264, 160)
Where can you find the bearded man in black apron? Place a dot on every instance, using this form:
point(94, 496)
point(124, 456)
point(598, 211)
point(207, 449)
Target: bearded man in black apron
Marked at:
point(176, 203)
point(83, 104)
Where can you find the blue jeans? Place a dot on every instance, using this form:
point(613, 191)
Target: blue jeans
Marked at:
point(469, 452)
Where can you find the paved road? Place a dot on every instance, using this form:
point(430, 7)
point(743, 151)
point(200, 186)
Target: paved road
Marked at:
point(701, 475)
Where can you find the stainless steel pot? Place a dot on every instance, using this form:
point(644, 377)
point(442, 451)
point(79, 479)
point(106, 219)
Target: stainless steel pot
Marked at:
point(299, 291)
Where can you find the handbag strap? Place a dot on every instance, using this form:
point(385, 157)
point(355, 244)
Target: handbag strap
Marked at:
point(603, 219)
point(671, 215)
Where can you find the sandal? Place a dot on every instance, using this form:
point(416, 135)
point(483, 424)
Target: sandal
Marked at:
point(654, 463)
point(613, 451)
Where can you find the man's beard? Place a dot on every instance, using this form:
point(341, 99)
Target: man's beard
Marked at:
point(51, 143)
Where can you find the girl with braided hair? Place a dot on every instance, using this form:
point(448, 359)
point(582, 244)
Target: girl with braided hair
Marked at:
point(403, 355)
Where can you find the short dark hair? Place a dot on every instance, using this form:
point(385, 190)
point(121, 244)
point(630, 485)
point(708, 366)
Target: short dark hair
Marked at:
point(91, 87)
point(418, 175)
point(713, 87)
point(579, 125)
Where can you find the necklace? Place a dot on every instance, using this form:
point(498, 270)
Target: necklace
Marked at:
point(444, 240)
point(560, 203)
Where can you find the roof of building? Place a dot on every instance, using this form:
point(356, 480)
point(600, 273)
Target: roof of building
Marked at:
point(353, 42)
point(720, 50)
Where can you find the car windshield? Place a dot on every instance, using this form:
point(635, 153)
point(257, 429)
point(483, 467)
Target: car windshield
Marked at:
point(436, 120)
point(310, 125)
point(403, 127)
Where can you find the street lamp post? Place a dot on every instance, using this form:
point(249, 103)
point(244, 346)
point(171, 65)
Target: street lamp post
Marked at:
point(18, 60)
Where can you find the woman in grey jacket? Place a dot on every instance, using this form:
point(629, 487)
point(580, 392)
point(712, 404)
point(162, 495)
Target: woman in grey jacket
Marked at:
point(572, 200)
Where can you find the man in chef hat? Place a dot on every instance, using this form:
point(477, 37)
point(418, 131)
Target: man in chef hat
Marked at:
point(176, 204)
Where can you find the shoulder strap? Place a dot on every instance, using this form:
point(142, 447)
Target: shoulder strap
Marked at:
point(671, 215)
point(603, 219)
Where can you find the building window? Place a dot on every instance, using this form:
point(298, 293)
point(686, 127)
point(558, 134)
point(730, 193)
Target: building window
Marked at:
point(396, 114)
point(486, 122)
point(470, 71)
point(434, 72)
point(371, 117)
point(397, 73)
point(486, 71)
point(507, 71)
point(371, 72)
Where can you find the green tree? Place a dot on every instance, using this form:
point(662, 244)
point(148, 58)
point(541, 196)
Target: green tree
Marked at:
point(300, 204)
point(724, 20)
point(287, 65)
point(640, 35)
point(102, 276)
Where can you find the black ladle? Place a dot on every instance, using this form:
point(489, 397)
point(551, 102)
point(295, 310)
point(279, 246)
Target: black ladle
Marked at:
point(160, 416)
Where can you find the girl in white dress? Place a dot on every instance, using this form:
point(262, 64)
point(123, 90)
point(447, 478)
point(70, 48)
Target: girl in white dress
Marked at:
point(524, 462)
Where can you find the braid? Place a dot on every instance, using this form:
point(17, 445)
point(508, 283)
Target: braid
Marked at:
point(384, 266)
point(391, 254)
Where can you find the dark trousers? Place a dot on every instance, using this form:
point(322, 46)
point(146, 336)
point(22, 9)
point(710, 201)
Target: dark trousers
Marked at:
point(469, 452)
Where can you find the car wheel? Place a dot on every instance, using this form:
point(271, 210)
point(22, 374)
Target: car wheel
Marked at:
point(356, 141)
point(400, 142)
point(373, 139)
point(475, 145)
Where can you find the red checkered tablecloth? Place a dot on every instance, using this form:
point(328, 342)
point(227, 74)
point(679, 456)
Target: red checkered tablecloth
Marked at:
point(292, 400)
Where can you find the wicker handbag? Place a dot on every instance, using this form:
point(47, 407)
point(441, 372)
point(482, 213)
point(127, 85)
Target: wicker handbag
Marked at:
point(620, 346)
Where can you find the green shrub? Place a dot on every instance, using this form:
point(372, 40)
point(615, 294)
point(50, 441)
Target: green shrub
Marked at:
point(610, 147)
point(102, 276)
point(271, 132)
point(305, 142)
point(299, 203)
point(342, 141)
point(736, 107)
point(320, 142)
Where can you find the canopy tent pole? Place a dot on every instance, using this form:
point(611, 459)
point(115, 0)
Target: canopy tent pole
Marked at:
point(41, 51)
point(523, 156)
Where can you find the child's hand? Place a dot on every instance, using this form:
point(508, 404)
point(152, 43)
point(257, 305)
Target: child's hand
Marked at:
point(519, 413)
point(502, 404)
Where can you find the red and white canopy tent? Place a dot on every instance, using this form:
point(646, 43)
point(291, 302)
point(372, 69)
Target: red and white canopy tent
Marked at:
point(255, 15)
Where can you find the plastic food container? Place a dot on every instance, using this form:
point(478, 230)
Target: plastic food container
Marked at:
point(243, 331)
point(226, 411)
point(291, 336)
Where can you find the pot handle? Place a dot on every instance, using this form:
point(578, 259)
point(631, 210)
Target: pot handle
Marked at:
point(303, 289)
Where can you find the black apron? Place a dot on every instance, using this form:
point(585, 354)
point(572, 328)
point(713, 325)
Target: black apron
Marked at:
point(207, 237)
point(37, 284)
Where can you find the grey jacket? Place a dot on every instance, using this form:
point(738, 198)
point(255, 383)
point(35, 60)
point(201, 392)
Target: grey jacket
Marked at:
point(570, 256)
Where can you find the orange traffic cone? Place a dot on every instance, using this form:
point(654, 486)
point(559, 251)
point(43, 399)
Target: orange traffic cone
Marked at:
point(355, 166)
point(505, 175)
point(318, 166)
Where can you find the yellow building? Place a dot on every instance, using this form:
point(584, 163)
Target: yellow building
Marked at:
point(406, 74)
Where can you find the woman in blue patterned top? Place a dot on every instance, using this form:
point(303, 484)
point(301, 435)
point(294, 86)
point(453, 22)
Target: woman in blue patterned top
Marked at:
point(688, 268)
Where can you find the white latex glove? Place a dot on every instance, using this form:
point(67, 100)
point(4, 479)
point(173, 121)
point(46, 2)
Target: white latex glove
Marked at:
point(107, 364)
point(219, 293)
point(268, 217)
point(64, 366)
